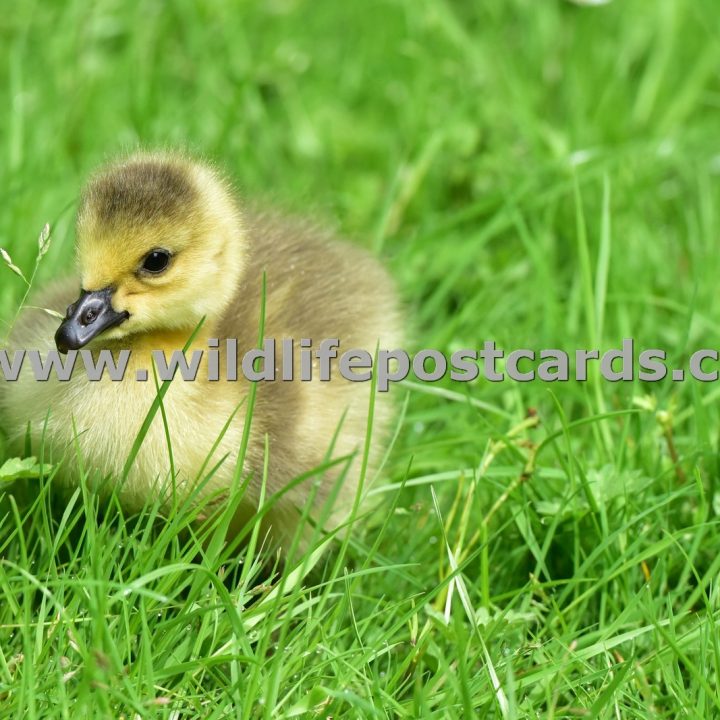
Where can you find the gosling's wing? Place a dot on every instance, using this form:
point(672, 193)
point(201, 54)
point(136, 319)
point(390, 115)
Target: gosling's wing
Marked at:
point(317, 287)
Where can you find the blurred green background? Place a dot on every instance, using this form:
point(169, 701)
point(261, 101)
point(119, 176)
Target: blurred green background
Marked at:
point(533, 172)
point(428, 130)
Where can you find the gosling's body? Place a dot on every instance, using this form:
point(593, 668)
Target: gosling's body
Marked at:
point(316, 288)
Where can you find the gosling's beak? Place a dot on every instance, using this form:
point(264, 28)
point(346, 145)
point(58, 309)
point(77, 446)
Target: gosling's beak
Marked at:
point(87, 318)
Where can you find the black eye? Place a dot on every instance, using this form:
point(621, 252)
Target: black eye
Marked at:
point(156, 261)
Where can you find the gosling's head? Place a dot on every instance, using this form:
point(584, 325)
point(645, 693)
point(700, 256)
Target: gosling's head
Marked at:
point(160, 245)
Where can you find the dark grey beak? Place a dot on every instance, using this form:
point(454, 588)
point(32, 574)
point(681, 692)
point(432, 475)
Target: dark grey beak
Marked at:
point(87, 318)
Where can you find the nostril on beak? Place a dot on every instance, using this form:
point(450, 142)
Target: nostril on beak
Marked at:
point(88, 316)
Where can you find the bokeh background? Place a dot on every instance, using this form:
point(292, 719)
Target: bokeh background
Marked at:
point(541, 174)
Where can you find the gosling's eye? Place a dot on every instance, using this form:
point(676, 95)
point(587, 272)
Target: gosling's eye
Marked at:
point(156, 261)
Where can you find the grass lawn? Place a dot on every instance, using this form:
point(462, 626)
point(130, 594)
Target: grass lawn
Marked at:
point(536, 173)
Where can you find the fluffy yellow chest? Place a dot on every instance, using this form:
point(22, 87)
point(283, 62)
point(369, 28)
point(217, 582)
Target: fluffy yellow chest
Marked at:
point(96, 425)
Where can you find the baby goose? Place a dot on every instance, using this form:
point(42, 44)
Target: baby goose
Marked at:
point(163, 247)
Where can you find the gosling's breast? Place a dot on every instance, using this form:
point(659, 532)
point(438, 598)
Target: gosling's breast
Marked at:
point(95, 425)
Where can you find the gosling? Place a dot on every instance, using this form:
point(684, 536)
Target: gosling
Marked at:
point(166, 252)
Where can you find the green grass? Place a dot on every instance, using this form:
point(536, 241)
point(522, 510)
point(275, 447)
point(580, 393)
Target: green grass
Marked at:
point(536, 173)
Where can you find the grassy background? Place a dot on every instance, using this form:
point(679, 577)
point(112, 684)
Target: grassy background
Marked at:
point(537, 173)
